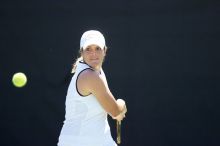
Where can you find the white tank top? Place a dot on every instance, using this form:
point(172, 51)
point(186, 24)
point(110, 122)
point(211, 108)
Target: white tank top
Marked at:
point(86, 121)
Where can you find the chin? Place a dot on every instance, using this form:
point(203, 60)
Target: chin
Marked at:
point(95, 65)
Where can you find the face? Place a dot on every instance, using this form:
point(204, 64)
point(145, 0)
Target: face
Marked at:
point(93, 55)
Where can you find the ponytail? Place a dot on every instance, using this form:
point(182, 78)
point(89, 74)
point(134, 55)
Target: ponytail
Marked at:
point(74, 64)
point(76, 61)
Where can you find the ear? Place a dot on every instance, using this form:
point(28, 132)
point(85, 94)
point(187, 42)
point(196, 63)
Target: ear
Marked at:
point(105, 49)
point(80, 51)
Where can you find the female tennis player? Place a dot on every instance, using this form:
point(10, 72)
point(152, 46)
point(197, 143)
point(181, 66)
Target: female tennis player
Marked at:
point(89, 99)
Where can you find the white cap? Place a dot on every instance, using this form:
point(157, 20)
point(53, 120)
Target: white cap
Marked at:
point(92, 37)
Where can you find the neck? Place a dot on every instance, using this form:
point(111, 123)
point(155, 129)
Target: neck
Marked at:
point(97, 68)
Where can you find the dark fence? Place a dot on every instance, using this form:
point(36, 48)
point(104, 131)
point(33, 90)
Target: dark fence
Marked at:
point(163, 59)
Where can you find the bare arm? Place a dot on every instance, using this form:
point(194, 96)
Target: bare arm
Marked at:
point(90, 82)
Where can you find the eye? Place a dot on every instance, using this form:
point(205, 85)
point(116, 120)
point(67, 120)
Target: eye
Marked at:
point(87, 49)
point(98, 49)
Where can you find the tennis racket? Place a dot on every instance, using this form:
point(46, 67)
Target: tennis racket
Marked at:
point(118, 124)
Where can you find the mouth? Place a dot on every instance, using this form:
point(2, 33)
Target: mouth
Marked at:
point(96, 59)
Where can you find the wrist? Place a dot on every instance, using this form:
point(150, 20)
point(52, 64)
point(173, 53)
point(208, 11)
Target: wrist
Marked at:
point(118, 117)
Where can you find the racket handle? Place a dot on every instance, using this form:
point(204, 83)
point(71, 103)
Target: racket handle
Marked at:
point(118, 132)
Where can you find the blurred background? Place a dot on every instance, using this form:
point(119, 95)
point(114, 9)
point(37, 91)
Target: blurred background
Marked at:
point(163, 59)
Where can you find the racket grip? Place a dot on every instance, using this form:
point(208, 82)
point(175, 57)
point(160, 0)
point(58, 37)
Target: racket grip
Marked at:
point(118, 132)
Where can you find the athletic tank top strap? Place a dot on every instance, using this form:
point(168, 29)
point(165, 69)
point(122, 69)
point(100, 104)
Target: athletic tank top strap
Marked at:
point(81, 65)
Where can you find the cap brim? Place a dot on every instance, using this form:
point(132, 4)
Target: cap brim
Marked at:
point(93, 42)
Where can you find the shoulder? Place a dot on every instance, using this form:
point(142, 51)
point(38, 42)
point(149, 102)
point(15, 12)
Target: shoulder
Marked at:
point(89, 81)
point(89, 75)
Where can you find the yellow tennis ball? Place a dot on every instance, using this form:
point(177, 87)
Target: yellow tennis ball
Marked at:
point(19, 79)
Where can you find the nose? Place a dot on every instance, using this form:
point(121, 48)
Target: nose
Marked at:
point(93, 53)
